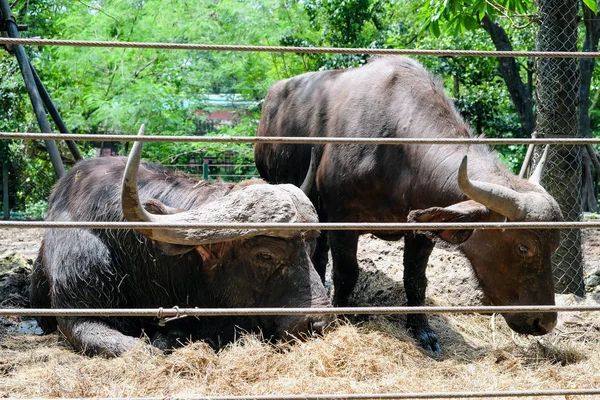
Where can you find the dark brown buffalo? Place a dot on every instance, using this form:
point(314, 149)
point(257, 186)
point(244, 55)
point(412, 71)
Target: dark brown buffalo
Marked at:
point(81, 268)
point(395, 97)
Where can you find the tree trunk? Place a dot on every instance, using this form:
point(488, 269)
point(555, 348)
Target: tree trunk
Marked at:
point(588, 184)
point(509, 69)
point(557, 116)
point(5, 204)
point(586, 66)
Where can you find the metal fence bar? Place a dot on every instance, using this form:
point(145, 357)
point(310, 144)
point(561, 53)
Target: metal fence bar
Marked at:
point(374, 396)
point(347, 310)
point(351, 226)
point(294, 49)
point(295, 140)
point(210, 312)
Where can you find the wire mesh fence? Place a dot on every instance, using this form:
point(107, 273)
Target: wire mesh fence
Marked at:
point(563, 181)
point(557, 100)
point(29, 182)
point(224, 172)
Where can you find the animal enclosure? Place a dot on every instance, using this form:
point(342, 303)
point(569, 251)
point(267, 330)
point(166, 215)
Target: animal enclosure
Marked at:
point(367, 355)
point(372, 356)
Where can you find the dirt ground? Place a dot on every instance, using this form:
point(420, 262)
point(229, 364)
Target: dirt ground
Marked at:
point(371, 355)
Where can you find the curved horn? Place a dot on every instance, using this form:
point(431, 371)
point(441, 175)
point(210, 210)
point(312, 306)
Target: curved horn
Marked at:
point(501, 199)
point(536, 176)
point(309, 180)
point(255, 203)
point(130, 201)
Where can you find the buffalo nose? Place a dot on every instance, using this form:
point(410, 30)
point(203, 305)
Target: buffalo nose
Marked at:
point(317, 327)
point(318, 323)
point(543, 327)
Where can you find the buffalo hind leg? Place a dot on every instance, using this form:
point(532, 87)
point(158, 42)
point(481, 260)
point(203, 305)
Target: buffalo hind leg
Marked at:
point(345, 266)
point(95, 337)
point(417, 249)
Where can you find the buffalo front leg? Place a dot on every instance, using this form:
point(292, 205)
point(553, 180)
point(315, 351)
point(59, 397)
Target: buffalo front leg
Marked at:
point(321, 256)
point(345, 266)
point(417, 249)
point(95, 337)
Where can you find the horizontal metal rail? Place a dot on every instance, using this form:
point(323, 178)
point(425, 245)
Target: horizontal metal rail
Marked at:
point(218, 312)
point(232, 176)
point(294, 49)
point(375, 396)
point(295, 140)
point(337, 226)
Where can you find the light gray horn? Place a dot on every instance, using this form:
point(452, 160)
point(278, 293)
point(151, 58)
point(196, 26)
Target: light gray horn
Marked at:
point(258, 203)
point(309, 179)
point(501, 199)
point(536, 176)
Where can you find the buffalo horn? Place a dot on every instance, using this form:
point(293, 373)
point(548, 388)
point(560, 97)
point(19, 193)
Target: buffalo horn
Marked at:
point(536, 176)
point(501, 199)
point(259, 203)
point(309, 180)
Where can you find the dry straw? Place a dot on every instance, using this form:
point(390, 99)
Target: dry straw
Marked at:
point(376, 356)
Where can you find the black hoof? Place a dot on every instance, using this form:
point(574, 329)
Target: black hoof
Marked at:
point(427, 339)
point(419, 327)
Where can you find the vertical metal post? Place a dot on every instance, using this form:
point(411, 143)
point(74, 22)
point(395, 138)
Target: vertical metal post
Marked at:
point(62, 128)
point(34, 95)
point(205, 170)
point(5, 208)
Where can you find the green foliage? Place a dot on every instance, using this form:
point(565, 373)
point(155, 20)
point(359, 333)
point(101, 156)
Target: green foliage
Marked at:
point(341, 23)
point(37, 210)
point(108, 91)
point(458, 16)
point(592, 5)
point(31, 176)
point(26, 181)
point(183, 153)
point(513, 156)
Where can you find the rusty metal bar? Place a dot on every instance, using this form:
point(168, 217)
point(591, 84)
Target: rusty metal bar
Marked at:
point(296, 140)
point(337, 226)
point(295, 49)
point(374, 396)
point(219, 312)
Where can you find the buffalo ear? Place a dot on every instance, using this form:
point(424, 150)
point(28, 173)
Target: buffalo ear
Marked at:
point(466, 211)
point(154, 206)
point(170, 249)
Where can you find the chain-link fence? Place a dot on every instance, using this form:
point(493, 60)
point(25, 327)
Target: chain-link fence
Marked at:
point(557, 99)
point(29, 179)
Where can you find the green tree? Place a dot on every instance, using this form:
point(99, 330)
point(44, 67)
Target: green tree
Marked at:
point(558, 92)
point(30, 172)
point(457, 16)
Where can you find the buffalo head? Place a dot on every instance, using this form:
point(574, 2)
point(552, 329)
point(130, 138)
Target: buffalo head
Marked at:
point(243, 267)
point(512, 266)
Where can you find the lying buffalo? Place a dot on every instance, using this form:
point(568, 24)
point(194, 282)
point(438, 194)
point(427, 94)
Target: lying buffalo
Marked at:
point(395, 97)
point(81, 268)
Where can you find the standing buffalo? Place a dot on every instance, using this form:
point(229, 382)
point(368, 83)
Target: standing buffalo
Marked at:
point(395, 97)
point(85, 268)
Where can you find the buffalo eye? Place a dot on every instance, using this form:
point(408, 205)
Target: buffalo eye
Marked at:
point(265, 256)
point(523, 250)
